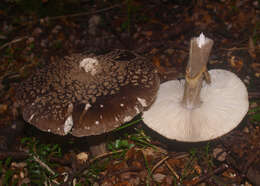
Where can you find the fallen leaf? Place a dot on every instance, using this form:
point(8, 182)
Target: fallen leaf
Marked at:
point(118, 166)
point(82, 157)
point(157, 63)
point(148, 33)
point(3, 108)
point(236, 63)
point(176, 163)
point(197, 168)
point(125, 183)
point(154, 51)
point(251, 48)
point(256, 67)
point(230, 173)
point(257, 75)
point(159, 177)
point(18, 165)
point(219, 154)
point(136, 164)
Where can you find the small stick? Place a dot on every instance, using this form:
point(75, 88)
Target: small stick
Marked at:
point(44, 165)
point(104, 155)
point(235, 48)
point(86, 13)
point(76, 14)
point(159, 163)
point(218, 170)
point(171, 169)
point(47, 168)
point(179, 155)
point(12, 42)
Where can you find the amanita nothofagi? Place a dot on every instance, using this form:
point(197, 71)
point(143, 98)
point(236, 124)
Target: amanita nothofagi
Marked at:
point(88, 94)
point(204, 106)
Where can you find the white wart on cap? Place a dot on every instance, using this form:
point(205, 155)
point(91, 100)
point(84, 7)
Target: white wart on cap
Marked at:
point(194, 110)
point(88, 94)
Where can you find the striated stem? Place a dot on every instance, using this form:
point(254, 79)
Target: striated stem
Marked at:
point(196, 71)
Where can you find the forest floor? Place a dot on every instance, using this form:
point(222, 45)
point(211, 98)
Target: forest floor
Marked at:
point(35, 32)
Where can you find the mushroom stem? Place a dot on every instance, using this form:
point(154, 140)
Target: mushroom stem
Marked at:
point(191, 95)
point(196, 71)
point(97, 144)
point(98, 149)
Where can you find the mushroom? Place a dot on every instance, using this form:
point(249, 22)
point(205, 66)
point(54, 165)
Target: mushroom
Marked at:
point(204, 106)
point(88, 94)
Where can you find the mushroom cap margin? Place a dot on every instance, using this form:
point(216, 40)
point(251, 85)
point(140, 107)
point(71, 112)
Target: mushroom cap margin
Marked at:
point(50, 99)
point(224, 105)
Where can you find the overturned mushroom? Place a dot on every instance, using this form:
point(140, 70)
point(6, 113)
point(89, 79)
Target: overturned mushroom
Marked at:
point(195, 110)
point(88, 94)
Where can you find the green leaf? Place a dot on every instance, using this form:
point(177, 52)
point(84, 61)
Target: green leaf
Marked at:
point(256, 117)
point(8, 161)
point(1, 167)
point(121, 144)
point(7, 177)
point(128, 124)
point(254, 110)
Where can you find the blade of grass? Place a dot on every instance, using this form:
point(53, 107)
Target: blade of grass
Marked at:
point(128, 124)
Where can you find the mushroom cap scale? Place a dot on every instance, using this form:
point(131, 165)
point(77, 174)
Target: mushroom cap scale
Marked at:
point(88, 94)
point(224, 104)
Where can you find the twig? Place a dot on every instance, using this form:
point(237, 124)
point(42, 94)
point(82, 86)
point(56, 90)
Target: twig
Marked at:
point(47, 168)
point(61, 17)
point(85, 166)
point(12, 42)
point(234, 48)
point(218, 170)
point(159, 163)
point(77, 14)
point(104, 155)
point(171, 169)
point(86, 13)
point(164, 160)
point(239, 48)
point(44, 165)
point(179, 155)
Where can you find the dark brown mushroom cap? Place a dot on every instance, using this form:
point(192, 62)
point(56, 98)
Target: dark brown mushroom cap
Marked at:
point(88, 94)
